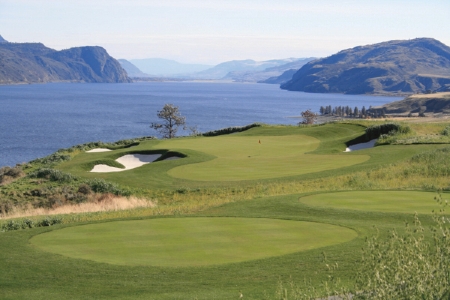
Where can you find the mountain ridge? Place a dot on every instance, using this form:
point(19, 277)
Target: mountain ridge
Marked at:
point(36, 63)
point(392, 67)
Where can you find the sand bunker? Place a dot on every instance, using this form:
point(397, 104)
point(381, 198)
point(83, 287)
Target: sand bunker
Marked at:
point(130, 161)
point(98, 150)
point(369, 144)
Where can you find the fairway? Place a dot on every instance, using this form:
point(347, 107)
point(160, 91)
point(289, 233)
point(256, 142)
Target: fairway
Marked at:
point(382, 201)
point(255, 157)
point(183, 242)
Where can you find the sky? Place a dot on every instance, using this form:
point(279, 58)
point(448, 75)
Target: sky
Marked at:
point(214, 31)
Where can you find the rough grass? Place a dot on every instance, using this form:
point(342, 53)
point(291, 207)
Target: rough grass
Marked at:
point(101, 203)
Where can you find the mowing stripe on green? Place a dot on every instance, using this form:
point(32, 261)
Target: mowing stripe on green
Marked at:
point(183, 242)
point(383, 201)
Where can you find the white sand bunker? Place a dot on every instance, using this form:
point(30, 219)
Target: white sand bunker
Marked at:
point(369, 144)
point(130, 161)
point(98, 150)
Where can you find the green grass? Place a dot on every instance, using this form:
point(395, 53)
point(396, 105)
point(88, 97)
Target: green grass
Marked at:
point(286, 153)
point(29, 272)
point(184, 242)
point(382, 201)
point(257, 157)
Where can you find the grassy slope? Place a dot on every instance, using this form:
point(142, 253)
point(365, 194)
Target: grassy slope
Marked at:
point(28, 272)
point(332, 139)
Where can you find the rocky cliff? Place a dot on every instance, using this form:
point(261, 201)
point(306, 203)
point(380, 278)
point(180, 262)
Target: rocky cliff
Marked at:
point(394, 67)
point(35, 63)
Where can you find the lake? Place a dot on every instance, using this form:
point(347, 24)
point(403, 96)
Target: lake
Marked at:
point(38, 119)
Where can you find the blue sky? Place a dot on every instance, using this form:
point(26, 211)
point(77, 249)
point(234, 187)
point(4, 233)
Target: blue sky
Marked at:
point(213, 31)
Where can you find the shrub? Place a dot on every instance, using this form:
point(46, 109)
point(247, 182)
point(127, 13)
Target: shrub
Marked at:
point(54, 158)
point(101, 186)
point(27, 223)
point(446, 131)
point(11, 225)
point(375, 131)
point(52, 174)
point(408, 266)
point(84, 189)
point(49, 221)
point(10, 173)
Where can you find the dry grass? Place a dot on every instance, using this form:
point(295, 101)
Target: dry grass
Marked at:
point(434, 95)
point(103, 203)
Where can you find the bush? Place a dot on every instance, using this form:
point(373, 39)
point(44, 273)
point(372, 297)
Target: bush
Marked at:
point(53, 175)
point(10, 173)
point(53, 158)
point(27, 223)
point(84, 189)
point(6, 206)
point(11, 225)
point(101, 186)
point(49, 221)
point(446, 131)
point(408, 266)
point(375, 131)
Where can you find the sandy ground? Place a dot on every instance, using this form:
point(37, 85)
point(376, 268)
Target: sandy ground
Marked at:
point(130, 161)
point(369, 144)
point(98, 150)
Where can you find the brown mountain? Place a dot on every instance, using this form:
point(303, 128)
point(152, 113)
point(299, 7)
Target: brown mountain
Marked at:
point(394, 67)
point(35, 63)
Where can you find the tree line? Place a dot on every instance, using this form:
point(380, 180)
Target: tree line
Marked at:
point(348, 112)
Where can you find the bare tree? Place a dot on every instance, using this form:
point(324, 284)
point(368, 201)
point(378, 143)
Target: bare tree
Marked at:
point(171, 120)
point(308, 117)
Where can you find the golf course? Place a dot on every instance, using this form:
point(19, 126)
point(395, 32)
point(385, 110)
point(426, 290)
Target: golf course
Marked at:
point(229, 216)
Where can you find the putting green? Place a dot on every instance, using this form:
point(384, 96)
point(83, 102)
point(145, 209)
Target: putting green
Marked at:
point(256, 157)
point(182, 242)
point(383, 201)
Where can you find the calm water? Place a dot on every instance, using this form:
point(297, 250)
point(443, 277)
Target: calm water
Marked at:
point(37, 120)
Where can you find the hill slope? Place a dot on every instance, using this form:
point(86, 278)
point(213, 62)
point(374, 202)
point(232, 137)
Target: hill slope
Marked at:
point(35, 63)
point(266, 74)
point(394, 67)
point(426, 103)
point(131, 69)
point(243, 70)
point(166, 67)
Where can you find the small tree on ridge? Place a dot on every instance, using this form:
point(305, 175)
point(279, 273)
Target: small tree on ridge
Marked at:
point(308, 117)
point(172, 119)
